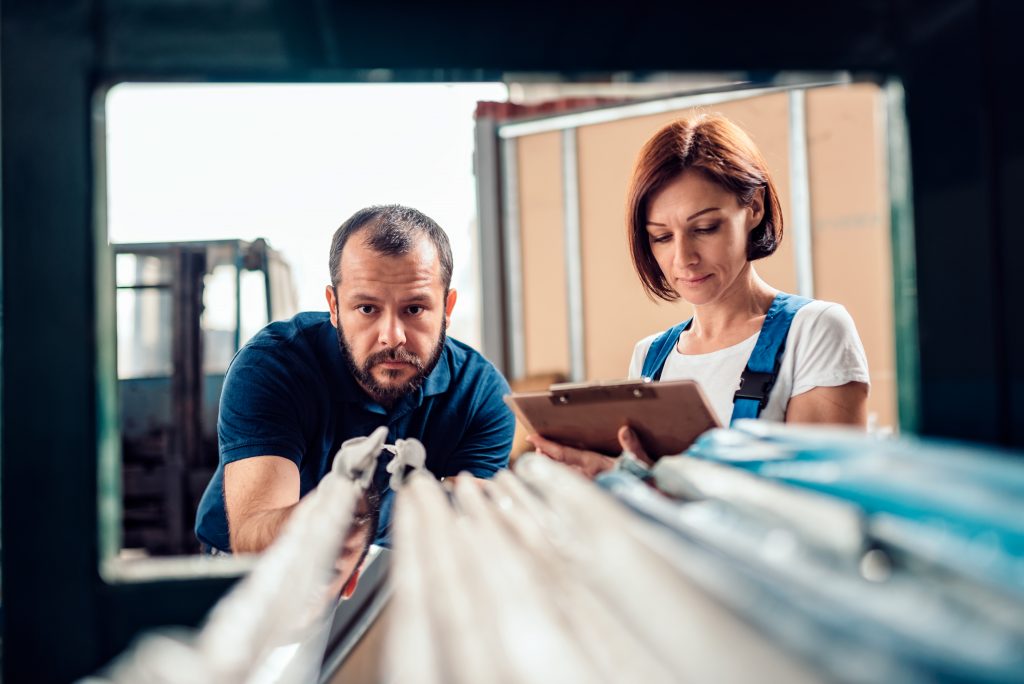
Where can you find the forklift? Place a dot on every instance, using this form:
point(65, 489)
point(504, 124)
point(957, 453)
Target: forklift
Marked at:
point(183, 310)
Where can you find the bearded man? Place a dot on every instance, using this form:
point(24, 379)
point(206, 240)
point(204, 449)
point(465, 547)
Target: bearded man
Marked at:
point(301, 387)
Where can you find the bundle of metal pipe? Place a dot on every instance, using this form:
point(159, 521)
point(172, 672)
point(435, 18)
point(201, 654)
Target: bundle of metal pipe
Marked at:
point(720, 571)
point(273, 625)
point(546, 578)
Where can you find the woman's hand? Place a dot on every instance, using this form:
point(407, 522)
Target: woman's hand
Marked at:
point(589, 463)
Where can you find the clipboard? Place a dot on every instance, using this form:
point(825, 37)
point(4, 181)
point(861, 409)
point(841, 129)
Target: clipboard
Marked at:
point(667, 416)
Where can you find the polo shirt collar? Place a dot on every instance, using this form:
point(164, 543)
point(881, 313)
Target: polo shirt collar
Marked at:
point(441, 377)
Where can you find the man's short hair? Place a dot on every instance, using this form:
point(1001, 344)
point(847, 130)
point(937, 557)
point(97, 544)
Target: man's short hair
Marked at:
point(391, 230)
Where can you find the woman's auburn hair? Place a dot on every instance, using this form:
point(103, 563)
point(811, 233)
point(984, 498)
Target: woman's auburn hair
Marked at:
point(726, 155)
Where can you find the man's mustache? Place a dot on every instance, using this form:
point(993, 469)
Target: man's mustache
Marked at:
point(393, 355)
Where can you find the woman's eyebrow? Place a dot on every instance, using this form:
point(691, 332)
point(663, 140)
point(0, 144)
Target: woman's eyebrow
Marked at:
point(688, 218)
point(702, 211)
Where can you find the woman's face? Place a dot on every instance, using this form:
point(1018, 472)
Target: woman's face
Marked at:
point(698, 235)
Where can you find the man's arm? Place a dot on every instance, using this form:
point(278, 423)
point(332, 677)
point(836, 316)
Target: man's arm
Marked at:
point(485, 446)
point(260, 494)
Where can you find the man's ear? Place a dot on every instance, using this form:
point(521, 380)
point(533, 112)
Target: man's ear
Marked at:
point(332, 304)
point(449, 304)
point(350, 586)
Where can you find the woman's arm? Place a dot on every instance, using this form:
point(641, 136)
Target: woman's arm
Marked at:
point(843, 405)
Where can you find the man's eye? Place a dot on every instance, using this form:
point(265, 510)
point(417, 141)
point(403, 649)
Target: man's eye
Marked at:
point(415, 310)
point(366, 309)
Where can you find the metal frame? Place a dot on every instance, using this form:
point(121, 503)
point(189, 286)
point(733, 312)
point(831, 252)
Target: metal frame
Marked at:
point(573, 256)
point(702, 98)
point(56, 326)
point(800, 193)
point(904, 281)
point(513, 260)
point(489, 247)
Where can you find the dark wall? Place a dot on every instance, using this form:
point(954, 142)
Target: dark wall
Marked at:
point(958, 61)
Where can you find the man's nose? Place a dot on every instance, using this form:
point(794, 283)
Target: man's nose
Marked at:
point(391, 332)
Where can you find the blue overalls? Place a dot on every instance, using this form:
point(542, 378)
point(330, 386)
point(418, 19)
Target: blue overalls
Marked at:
point(762, 367)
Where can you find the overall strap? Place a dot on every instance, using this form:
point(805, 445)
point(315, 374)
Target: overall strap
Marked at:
point(659, 350)
point(762, 368)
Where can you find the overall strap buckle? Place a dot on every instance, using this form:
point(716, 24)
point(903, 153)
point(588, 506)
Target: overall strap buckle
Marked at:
point(755, 385)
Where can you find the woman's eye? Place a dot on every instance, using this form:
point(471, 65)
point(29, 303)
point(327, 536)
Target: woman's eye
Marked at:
point(660, 238)
point(706, 230)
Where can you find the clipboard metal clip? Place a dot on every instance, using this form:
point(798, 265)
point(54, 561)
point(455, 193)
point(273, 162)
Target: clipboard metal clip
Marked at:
point(563, 394)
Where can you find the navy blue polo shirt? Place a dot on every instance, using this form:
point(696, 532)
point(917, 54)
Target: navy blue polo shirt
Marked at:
point(289, 393)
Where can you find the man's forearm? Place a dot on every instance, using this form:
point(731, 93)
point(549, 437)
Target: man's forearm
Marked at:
point(258, 530)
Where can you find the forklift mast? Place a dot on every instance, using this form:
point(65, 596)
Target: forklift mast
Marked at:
point(183, 311)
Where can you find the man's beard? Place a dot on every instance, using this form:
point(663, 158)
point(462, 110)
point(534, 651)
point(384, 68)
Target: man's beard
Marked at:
point(387, 395)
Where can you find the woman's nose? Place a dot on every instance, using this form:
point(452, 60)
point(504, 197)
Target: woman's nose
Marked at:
point(685, 254)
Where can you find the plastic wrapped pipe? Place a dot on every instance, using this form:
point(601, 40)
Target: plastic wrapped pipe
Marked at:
point(453, 619)
point(636, 566)
point(835, 527)
point(946, 605)
point(543, 577)
point(547, 579)
point(953, 505)
point(607, 644)
point(272, 626)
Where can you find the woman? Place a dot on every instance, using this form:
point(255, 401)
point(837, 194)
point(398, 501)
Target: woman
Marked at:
point(702, 208)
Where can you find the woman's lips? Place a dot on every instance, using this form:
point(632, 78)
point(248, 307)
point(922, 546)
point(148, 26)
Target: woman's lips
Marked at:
point(693, 281)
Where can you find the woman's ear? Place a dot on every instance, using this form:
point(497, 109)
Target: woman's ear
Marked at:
point(756, 209)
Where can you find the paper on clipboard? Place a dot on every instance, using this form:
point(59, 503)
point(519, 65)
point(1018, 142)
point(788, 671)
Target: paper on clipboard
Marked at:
point(666, 416)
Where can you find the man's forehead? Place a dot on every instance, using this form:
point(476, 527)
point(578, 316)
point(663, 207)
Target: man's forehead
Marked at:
point(361, 264)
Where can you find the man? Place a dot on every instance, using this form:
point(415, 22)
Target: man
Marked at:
point(301, 387)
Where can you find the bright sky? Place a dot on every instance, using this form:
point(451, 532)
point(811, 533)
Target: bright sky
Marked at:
point(290, 163)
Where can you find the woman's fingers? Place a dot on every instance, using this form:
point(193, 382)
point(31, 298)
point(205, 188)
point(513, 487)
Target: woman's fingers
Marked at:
point(589, 463)
point(631, 443)
point(552, 450)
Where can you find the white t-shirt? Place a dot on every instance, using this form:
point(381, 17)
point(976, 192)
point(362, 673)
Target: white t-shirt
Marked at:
point(823, 349)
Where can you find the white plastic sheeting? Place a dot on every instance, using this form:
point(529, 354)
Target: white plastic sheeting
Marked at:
point(788, 554)
point(545, 578)
point(273, 625)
